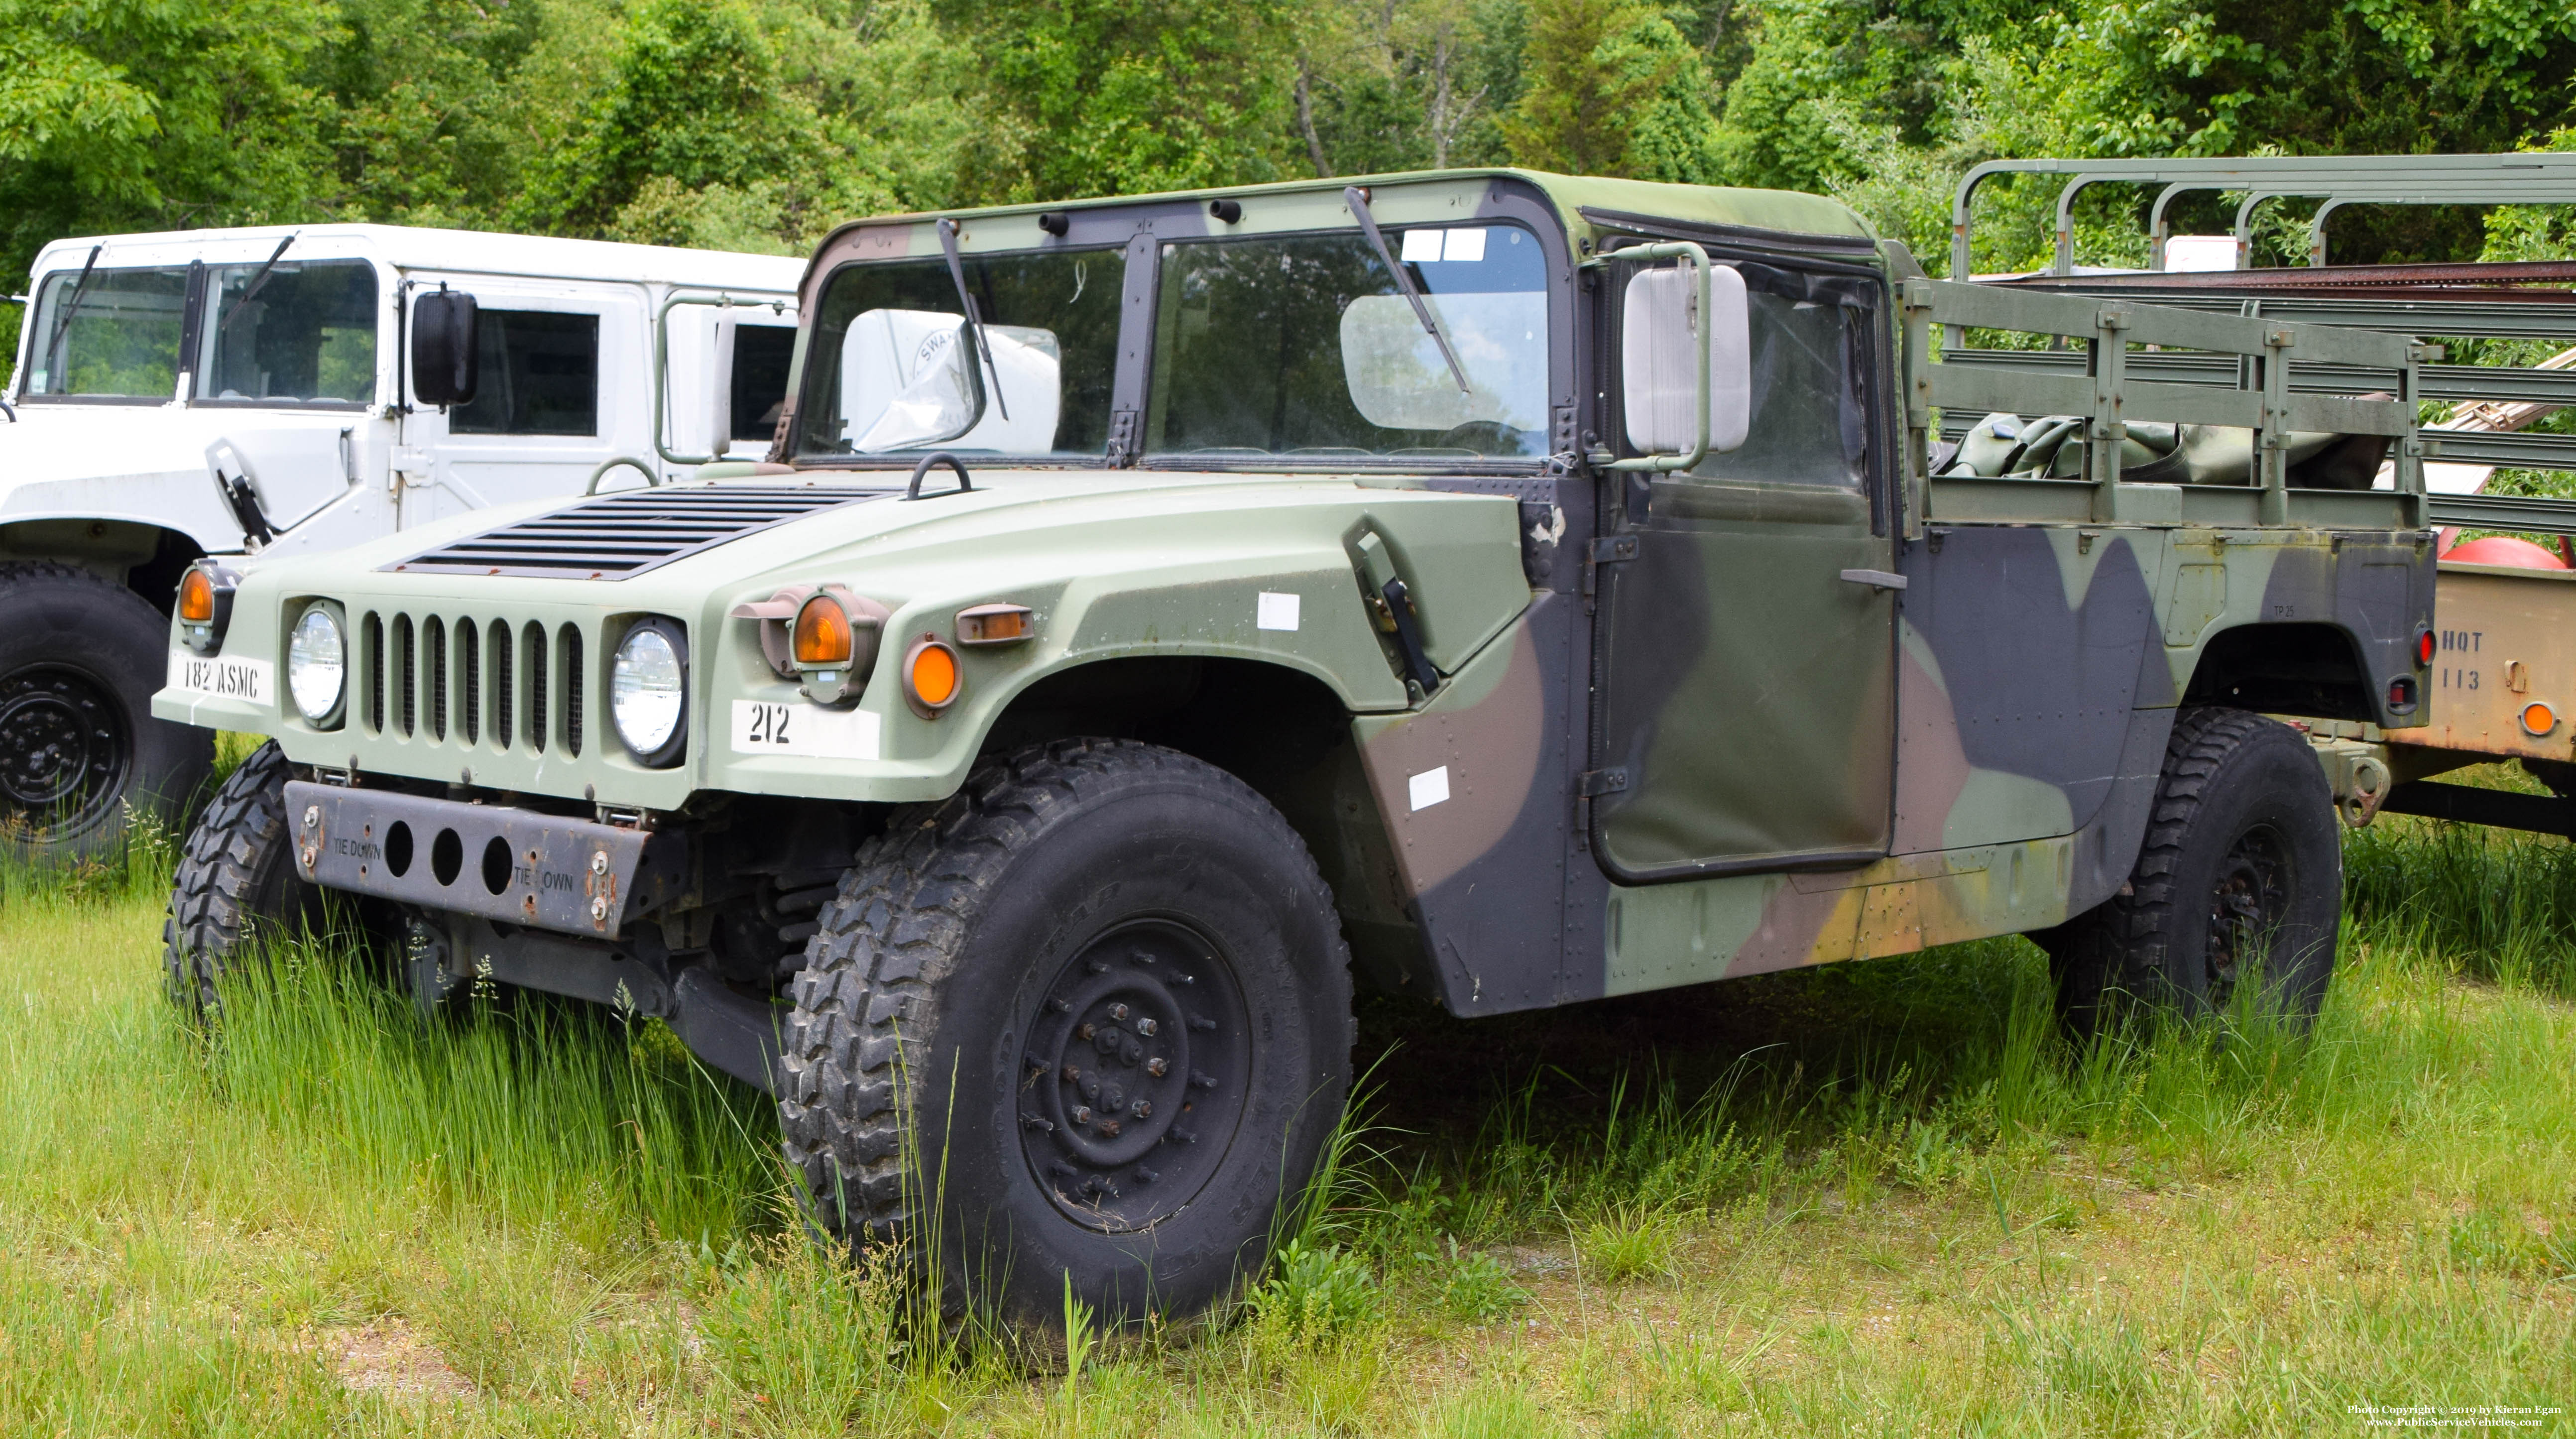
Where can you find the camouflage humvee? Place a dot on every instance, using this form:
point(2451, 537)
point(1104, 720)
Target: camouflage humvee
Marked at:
point(1509, 589)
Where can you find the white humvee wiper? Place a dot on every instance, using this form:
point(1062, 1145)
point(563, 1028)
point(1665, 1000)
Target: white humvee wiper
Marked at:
point(974, 318)
point(1357, 198)
point(53, 356)
point(251, 290)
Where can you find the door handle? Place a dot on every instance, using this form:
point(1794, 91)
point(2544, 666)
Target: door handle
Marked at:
point(1875, 579)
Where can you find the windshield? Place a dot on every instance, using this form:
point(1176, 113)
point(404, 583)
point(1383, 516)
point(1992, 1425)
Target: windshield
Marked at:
point(1304, 347)
point(116, 336)
point(298, 334)
point(890, 368)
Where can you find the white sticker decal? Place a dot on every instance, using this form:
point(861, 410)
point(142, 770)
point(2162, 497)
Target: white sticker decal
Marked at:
point(1429, 787)
point(1276, 612)
point(223, 677)
point(1465, 245)
point(1421, 245)
point(798, 728)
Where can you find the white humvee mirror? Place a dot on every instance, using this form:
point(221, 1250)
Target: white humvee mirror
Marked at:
point(1685, 359)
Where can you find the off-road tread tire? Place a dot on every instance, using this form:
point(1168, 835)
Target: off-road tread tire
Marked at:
point(874, 969)
point(185, 755)
point(2118, 950)
point(235, 878)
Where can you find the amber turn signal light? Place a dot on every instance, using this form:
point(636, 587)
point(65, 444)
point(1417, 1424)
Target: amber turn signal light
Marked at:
point(205, 606)
point(995, 624)
point(197, 598)
point(822, 636)
point(931, 682)
point(2538, 718)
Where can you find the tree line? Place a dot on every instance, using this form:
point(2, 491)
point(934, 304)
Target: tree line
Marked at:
point(759, 124)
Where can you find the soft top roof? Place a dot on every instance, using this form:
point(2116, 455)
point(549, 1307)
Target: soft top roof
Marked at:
point(1786, 210)
point(451, 251)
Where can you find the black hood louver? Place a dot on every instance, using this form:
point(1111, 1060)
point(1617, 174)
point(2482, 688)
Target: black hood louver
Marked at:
point(619, 536)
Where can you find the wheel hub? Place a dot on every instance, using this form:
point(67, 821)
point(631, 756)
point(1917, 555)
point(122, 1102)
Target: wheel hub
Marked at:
point(62, 747)
point(1135, 1076)
point(2252, 899)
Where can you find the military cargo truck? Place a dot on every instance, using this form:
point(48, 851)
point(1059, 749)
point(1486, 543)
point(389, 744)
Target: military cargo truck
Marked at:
point(246, 392)
point(1158, 613)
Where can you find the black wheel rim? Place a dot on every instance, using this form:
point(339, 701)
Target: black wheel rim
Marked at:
point(63, 749)
point(1136, 1075)
point(2247, 909)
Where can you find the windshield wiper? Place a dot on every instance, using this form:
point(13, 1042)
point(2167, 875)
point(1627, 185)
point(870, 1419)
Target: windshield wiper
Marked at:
point(1357, 199)
point(251, 290)
point(974, 317)
point(63, 318)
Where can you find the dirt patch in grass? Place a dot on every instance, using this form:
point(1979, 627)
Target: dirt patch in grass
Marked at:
point(387, 1358)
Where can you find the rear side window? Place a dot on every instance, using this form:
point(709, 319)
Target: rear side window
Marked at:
point(759, 384)
point(540, 375)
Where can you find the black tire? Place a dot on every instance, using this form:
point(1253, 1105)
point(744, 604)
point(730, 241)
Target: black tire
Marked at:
point(2241, 871)
point(236, 883)
point(80, 658)
point(1004, 970)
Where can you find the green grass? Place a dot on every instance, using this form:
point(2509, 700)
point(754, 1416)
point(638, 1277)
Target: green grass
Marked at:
point(1874, 1198)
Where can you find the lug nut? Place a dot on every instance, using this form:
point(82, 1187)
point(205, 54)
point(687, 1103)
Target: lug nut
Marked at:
point(1109, 1129)
point(1071, 1073)
point(1117, 1011)
point(1082, 1031)
point(1147, 1027)
point(1142, 1109)
point(1082, 1114)
point(1158, 1066)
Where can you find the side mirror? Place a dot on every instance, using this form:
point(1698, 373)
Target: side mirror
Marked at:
point(446, 363)
point(1685, 359)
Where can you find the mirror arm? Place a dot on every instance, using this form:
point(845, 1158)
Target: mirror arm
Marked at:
point(966, 301)
point(1357, 199)
point(1702, 323)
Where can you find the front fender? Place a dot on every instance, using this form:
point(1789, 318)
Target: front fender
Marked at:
point(1283, 589)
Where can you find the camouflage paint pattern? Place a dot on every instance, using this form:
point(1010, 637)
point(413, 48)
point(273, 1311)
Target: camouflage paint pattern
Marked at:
point(1974, 754)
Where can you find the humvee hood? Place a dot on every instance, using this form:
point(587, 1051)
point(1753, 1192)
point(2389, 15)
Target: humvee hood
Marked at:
point(851, 521)
point(51, 461)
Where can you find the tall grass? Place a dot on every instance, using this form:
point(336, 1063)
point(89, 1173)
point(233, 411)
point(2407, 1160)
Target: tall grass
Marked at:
point(2500, 904)
point(1884, 1197)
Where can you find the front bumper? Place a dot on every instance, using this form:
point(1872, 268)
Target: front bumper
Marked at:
point(516, 866)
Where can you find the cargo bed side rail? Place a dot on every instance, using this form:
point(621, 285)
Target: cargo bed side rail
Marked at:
point(2256, 397)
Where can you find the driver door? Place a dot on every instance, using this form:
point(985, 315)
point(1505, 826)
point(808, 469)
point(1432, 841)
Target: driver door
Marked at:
point(1747, 616)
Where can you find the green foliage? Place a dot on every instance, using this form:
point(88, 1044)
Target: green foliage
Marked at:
point(1129, 96)
point(760, 124)
point(1317, 1292)
point(1611, 87)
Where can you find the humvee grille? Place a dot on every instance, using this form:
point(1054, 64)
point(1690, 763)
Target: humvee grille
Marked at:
point(514, 686)
point(615, 537)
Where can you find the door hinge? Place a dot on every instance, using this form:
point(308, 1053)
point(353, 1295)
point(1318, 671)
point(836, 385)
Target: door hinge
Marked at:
point(1612, 550)
point(1587, 787)
point(1595, 783)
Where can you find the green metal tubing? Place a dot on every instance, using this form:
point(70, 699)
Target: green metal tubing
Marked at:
point(662, 367)
point(1698, 260)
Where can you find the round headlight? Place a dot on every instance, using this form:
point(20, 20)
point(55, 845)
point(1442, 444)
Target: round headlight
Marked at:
point(317, 665)
point(648, 691)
